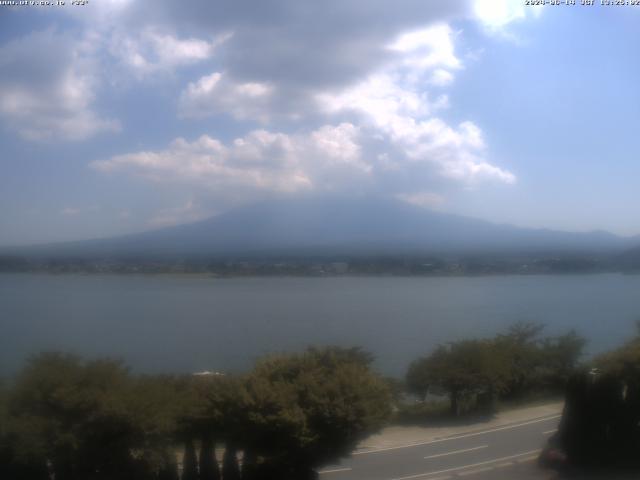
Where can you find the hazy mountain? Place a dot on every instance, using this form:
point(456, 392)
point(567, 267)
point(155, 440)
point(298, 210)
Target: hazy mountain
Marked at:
point(349, 226)
point(629, 259)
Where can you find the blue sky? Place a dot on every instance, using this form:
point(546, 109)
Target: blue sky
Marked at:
point(123, 116)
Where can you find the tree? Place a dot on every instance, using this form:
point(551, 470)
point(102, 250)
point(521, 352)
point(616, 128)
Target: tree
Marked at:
point(209, 469)
point(21, 458)
point(91, 420)
point(521, 345)
point(307, 409)
point(230, 468)
point(250, 469)
point(461, 370)
point(189, 461)
point(508, 365)
point(155, 408)
point(168, 468)
point(74, 414)
point(560, 356)
point(623, 362)
point(418, 378)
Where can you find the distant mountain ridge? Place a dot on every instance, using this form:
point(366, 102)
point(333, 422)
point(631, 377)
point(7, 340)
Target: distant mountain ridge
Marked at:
point(336, 226)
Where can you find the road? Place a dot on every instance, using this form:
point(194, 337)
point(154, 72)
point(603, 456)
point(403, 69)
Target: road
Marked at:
point(504, 452)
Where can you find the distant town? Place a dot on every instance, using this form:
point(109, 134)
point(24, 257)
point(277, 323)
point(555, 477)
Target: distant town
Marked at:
point(388, 265)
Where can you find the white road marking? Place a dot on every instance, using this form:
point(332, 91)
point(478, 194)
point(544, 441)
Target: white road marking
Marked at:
point(550, 431)
point(456, 451)
point(476, 471)
point(474, 434)
point(463, 467)
point(335, 470)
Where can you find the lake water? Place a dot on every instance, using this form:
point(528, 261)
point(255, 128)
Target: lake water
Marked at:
point(183, 324)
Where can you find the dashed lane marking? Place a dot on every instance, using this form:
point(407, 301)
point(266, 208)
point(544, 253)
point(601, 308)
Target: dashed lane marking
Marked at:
point(456, 451)
point(465, 467)
point(476, 471)
point(457, 437)
point(335, 470)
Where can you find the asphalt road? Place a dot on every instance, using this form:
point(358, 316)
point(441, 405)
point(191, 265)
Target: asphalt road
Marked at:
point(506, 452)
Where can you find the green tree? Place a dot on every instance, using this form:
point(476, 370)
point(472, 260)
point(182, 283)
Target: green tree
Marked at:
point(509, 365)
point(311, 408)
point(155, 408)
point(74, 414)
point(521, 344)
point(462, 370)
point(21, 454)
point(622, 362)
point(560, 358)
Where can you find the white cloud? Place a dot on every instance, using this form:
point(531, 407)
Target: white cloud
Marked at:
point(208, 162)
point(441, 77)
point(153, 51)
point(427, 48)
point(259, 162)
point(56, 100)
point(428, 200)
point(496, 15)
point(394, 141)
point(216, 93)
point(187, 213)
point(369, 95)
point(394, 103)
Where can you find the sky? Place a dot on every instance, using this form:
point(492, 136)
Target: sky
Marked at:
point(121, 116)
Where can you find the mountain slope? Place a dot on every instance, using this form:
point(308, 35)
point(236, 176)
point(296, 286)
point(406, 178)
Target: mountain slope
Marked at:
point(314, 226)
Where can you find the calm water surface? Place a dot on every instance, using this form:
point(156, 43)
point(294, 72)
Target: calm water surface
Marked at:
point(183, 324)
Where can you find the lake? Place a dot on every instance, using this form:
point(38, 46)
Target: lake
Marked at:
point(189, 323)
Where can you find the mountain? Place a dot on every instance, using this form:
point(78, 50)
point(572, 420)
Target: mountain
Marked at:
point(629, 260)
point(335, 226)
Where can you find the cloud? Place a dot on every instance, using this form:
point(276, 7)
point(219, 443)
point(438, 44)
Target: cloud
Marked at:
point(260, 160)
point(187, 213)
point(152, 50)
point(427, 48)
point(332, 158)
point(394, 141)
point(282, 42)
point(48, 88)
point(441, 77)
point(496, 15)
point(427, 200)
point(344, 94)
point(216, 93)
point(424, 56)
point(393, 102)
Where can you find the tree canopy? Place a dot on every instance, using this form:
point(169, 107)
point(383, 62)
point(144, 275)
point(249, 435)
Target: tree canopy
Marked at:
point(90, 420)
point(508, 365)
